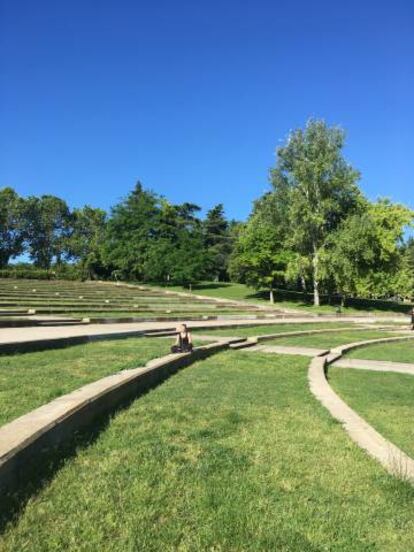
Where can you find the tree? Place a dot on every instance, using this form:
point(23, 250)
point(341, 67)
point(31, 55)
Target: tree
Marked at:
point(349, 254)
point(11, 226)
point(130, 230)
point(218, 242)
point(177, 254)
point(47, 228)
point(86, 240)
point(365, 256)
point(318, 188)
point(405, 276)
point(390, 221)
point(259, 258)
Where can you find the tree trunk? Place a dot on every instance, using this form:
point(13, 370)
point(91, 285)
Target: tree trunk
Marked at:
point(271, 296)
point(315, 263)
point(303, 283)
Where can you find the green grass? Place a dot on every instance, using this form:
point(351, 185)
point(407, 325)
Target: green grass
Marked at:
point(330, 340)
point(386, 400)
point(29, 380)
point(286, 299)
point(263, 329)
point(231, 454)
point(400, 351)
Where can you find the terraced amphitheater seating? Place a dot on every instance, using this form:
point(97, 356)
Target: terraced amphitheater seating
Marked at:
point(80, 299)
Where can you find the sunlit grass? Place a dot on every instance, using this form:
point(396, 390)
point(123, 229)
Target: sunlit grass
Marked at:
point(329, 340)
point(29, 380)
point(247, 331)
point(400, 351)
point(386, 400)
point(232, 453)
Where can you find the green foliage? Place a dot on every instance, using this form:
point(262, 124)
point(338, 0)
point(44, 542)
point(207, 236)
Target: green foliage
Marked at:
point(259, 258)
point(29, 271)
point(130, 231)
point(47, 228)
point(87, 240)
point(11, 228)
point(364, 255)
point(313, 231)
point(315, 226)
point(149, 239)
point(218, 241)
point(318, 188)
point(405, 277)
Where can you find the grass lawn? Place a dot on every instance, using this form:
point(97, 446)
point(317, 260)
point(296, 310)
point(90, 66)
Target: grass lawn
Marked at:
point(400, 351)
point(286, 299)
point(330, 340)
point(232, 453)
point(29, 380)
point(264, 329)
point(384, 400)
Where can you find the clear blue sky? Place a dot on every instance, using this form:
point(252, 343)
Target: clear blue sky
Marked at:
point(192, 98)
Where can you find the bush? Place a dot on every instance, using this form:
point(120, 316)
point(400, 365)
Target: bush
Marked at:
point(31, 272)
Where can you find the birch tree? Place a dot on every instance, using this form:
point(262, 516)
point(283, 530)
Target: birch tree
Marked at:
point(319, 189)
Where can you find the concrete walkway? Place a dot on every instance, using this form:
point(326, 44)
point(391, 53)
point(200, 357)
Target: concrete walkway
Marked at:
point(26, 334)
point(375, 365)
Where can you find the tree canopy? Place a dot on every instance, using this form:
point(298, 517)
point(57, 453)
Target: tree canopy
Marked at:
point(313, 230)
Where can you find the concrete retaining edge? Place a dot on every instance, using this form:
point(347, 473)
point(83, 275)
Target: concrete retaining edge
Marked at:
point(27, 439)
point(20, 346)
point(392, 458)
point(61, 342)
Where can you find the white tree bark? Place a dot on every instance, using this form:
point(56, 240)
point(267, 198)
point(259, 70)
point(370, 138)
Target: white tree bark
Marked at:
point(315, 263)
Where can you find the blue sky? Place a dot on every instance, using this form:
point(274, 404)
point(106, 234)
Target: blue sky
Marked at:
point(192, 98)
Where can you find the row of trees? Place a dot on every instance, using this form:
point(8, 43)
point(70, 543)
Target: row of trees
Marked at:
point(144, 237)
point(316, 230)
point(313, 231)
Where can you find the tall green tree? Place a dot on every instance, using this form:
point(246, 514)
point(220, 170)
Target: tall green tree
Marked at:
point(87, 239)
point(349, 254)
point(47, 227)
point(218, 241)
point(130, 230)
point(177, 254)
point(259, 258)
point(318, 187)
point(11, 225)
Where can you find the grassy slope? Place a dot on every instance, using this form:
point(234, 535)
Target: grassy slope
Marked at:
point(384, 400)
point(31, 379)
point(402, 351)
point(230, 454)
point(329, 340)
point(271, 328)
point(286, 300)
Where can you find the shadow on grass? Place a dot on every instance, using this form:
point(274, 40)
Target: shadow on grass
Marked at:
point(306, 300)
point(35, 476)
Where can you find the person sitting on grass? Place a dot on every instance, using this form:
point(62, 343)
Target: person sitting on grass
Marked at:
point(183, 341)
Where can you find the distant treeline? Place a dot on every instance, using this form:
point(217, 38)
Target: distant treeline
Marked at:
point(312, 231)
point(143, 238)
